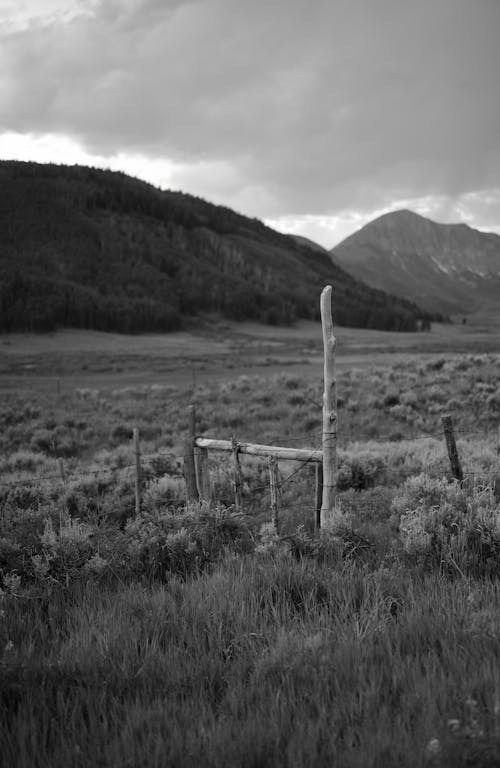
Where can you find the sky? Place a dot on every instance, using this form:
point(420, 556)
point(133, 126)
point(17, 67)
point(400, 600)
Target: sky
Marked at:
point(315, 116)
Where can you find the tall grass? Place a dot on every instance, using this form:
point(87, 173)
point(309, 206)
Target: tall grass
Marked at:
point(265, 661)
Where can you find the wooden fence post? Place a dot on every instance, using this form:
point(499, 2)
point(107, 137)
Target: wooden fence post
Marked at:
point(203, 471)
point(189, 466)
point(60, 466)
point(137, 456)
point(237, 479)
point(456, 469)
point(318, 499)
point(273, 482)
point(200, 459)
point(329, 408)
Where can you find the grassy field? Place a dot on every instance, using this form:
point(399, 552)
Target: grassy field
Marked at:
point(189, 636)
point(215, 351)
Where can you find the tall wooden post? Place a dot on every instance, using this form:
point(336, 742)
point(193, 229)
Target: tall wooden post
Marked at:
point(188, 456)
point(273, 482)
point(137, 456)
point(456, 469)
point(237, 479)
point(329, 408)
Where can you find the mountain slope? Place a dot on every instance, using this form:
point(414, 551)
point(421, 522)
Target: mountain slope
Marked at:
point(443, 267)
point(95, 249)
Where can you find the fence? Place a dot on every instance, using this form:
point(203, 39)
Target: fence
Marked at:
point(322, 458)
point(196, 468)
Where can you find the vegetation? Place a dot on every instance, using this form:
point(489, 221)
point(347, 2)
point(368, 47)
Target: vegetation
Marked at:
point(94, 249)
point(189, 636)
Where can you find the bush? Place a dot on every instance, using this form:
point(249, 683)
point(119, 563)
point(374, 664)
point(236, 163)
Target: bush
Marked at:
point(450, 526)
point(183, 541)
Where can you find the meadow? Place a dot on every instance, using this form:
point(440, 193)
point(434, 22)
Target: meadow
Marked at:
point(191, 635)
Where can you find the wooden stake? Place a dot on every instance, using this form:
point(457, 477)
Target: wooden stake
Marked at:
point(456, 469)
point(137, 455)
point(203, 471)
point(273, 482)
point(329, 408)
point(318, 471)
point(237, 479)
point(189, 465)
point(60, 465)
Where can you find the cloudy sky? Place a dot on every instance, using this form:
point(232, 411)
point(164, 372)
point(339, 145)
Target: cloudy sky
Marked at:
point(314, 115)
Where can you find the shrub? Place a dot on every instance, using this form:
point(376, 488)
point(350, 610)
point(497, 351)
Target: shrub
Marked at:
point(183, 541)
point(448, 525)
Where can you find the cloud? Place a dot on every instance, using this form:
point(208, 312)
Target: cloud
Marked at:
point(280, 107)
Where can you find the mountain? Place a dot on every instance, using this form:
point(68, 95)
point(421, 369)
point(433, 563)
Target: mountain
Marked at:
point(445, 268)
point(301, 240)
point(87, 248)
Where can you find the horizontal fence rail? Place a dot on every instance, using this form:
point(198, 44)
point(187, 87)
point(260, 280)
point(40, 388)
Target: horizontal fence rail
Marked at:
point(255, 449)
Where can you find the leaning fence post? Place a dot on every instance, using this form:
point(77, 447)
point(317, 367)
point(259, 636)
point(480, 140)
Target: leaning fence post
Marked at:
point(189, 466)
point(137, 456)
point(237, 479)
point(273, 482)
point(329, 408)
point(456, 469)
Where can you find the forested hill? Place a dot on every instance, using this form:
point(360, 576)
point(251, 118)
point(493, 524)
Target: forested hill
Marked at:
point(87, 248)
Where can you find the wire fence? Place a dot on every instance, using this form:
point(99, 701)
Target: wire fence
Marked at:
point(296, 489)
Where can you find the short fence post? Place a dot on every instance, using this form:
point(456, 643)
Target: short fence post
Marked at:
point(137, 456)
point(237, 479)
point(329, 408)
point(318, 471)
point(60, 466)
point(456, 469)
point(189, 466)
point(273, 482)
point(203, 471)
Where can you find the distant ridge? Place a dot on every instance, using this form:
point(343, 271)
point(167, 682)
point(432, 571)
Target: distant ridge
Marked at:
point(445, 268)
point(87, 248)
point(301, 240)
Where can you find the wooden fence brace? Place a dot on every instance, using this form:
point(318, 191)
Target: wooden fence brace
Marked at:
point(456, 469)
point(237, 479)
point(318, 471)
point(273, 482)
point(137, 457)
point(329, 408)
point(60, 466)
point(189, 466)
point(256, 449)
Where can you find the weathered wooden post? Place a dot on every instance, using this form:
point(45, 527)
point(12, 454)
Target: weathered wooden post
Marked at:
point(60, 466)
point(329, 408)
point(318, 499)
point(456, 469)
point(137, 456)
point(203, 472)
point(273, 482)
point(189, 466)
point(237, 479)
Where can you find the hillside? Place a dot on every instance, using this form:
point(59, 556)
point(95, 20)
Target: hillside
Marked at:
point(87, 248)
point(443, 267)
